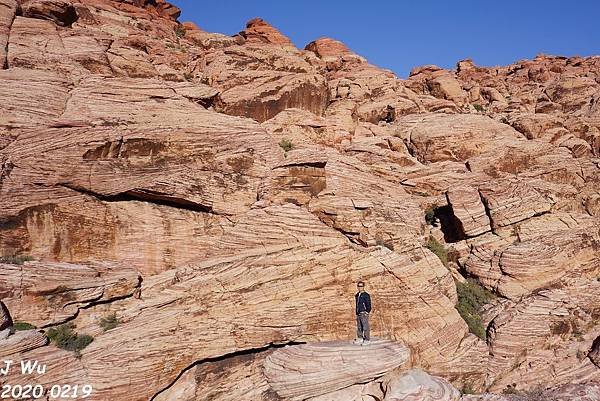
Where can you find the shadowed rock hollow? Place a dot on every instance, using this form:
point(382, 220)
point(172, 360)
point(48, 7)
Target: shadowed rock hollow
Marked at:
point(215, 198)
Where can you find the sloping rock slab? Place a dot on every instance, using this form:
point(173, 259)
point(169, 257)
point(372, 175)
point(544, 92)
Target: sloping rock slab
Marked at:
point(416, 385)
point(309, 370)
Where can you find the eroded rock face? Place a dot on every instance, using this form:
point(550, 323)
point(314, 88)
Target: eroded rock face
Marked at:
point(49, 293)
point(469, 209)
point(418, 385)
point(222, 195)
point(288, 370)
point(8, 10)
point(61, 12)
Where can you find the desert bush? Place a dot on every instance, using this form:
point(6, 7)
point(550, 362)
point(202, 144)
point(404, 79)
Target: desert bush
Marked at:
point(478, 108)
point(430, 214)
point(15, 259)
point(180, 31)
point(109, 322)
point(437, 248)
point(467, 389)
point(65, 337)
point(286, 144)
point(510, 389)
point(471, 298)
point(22, 326)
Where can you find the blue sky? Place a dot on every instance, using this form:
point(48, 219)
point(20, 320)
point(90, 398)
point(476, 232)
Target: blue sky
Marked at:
point(400, 35)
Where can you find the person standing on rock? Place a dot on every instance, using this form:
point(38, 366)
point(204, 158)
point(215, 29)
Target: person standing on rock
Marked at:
point(363, 308)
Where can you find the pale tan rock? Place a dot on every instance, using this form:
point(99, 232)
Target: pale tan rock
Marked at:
point(18, 108)
point(358, 392)
point(20, 342)
point(50, 293)
point(304, 371)
point(146, 236)
point(510, 201)
point(517, 269)
point(572, 92)
point(35, 43)
point(542, 340)
point(469, 210)
point(439, 137)
point(575, 392)
point(184, 389)
point(488, 397)
point(196, 92)
point(61, 367)
point(445, 86)
point(8, 10)
point(234, 378)
point(261, 316)
point(418, 385)
point(336, 189)
point(268, 94)
point(535, 125)
point(127, 60)
point(136, 170)
point(259, 82)
point(88, 52)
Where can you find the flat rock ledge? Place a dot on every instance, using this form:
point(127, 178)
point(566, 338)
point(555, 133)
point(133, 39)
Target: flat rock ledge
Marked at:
point(309, 370)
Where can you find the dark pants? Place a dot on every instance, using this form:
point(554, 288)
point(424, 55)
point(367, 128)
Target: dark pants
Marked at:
point(362, 326)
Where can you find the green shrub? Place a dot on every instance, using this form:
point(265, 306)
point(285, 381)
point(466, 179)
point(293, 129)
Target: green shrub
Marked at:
point(15, 259)
point(430, 214)
point(180, 31)
point(65, 337)
point(22, 326)
point(109, 322)
point(510, 390)
point(437, 248)
point(467, 389)
point(478, 108)
point(471, 298)
point(286, 144)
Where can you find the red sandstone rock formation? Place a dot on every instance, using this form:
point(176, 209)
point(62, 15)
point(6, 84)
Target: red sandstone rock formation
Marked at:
point(221, 195)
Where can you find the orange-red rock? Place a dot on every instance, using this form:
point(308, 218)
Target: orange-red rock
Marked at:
point(259, 32)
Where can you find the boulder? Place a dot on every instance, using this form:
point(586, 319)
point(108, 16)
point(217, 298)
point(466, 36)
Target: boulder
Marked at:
point(327, 48)
point(418, 385)
point(259, 32)
point(304, 371)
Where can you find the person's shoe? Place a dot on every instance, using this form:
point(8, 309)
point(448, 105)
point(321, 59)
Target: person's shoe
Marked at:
point(366, 342)
point(358, 341)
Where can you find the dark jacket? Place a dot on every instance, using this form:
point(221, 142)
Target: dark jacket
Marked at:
point(363, 302)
